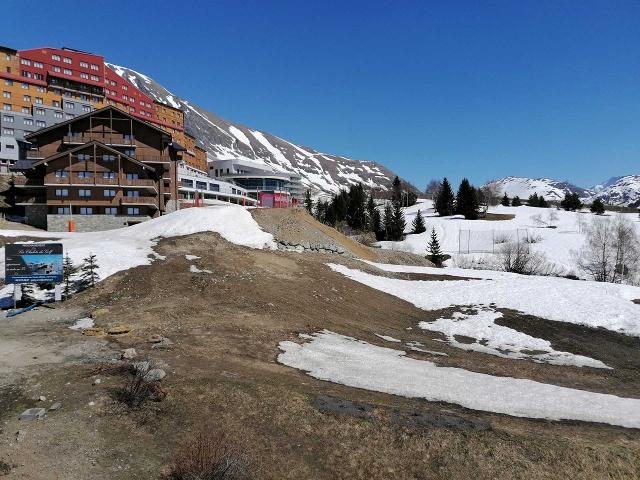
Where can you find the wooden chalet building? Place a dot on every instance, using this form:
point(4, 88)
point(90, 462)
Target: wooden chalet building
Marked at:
point(102, 170)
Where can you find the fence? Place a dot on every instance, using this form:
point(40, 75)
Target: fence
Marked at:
point(488, 241)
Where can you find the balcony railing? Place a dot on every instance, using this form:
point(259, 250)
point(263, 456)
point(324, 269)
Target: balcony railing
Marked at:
point(139, 201)
point(125, 182)
point(140, 182)
point(34, 155)
point(104, 138)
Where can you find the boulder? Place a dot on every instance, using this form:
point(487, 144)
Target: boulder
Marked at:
point(129, 353)
point(32, 414)
point(154, 375)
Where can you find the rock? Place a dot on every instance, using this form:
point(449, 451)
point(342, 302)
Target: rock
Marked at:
point(20, 434)
point(94, 332)
point(154, 375)
point(164, 343)
point(42, 398)
point(55, 406)
point(119, 329)
point(306, 245)
point(91, 404)
point(155, 338)
point(129, 353)
point(97, 381)
point(141, 367)
point(100, 312)
point(32, 414)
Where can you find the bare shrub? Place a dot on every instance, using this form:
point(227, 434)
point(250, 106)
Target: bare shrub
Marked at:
point(547, 221)
point(611, 252)
point(517, 257)
point(209, 454)
point(532, 239)
point(501, 238)
point(139, 388)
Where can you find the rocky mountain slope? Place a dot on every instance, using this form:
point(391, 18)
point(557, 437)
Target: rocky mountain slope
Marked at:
point(226, 140)
point(550, 189)
point(621, 191)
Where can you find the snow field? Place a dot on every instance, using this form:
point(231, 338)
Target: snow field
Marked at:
point(347, 361)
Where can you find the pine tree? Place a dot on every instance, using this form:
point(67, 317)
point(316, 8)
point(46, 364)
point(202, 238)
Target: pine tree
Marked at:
point(533, 200)
point(505, 200)
point(356, 207)
point(435, 254)
point(571, 202)
point(396, 191)
point(444, 199)
point(376, 225)
point(418, 224)
point(308, 202)
point(467, 201)
point(597, 207)
point(89, 272)
point(68, 270)
point(516, 202)
point(388, 224)
point(399, 223)
point(371, 208)
point(542, 203)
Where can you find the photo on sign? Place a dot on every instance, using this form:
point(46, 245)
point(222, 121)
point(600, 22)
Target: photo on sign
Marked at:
point(33, 263)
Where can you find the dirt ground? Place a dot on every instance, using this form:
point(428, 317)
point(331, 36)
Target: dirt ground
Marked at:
point(222, 371)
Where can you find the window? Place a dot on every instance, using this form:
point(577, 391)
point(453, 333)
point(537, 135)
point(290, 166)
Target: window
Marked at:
point(95, 78)
point(38, 76)
point(130, 152)
point(132, 176)
point(55, 103)
point(24, 61)
point(66, 71)
point(84, 75)
point(94, 67)
point(8, 131)
point(109, 193)
point(110, 175)
point(201, 185)
point(108, 158)
point(38, 65)
point(8, 119)
point(38, 101)
point(84, 192)
point(187, 183)
point(64, 211)
point(26, 74)
point(62, 192)
point(40, 124)
point(56, 69)
point(40, 89)
point(8, 82)
point(28, 121)
point(26, 98)
point(57, 91)
point(69, 116)
point(214, 187)
point(62, 174)
point(6, 106)
point(86, 210)
point(25, 110)
point(69, 105)
point(40, 111)
point(57, 114)
point(83, 97)
point(25, 86)
point(86, 108)
point(55, 57)
point(85, 174)
point(110, 211)
point(124, 97)
point(84, 64)
point(83, 157)
point(124, 87)
point(6, 94)
point(66, 60)
point(133, 211)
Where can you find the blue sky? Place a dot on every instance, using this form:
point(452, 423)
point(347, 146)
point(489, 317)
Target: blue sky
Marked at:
point(430, 89)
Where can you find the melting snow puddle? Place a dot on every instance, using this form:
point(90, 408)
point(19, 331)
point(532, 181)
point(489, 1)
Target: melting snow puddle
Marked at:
point(347, 361)
point(194, 269)
point(501, 341)
point(82, 323)
point(191, 257)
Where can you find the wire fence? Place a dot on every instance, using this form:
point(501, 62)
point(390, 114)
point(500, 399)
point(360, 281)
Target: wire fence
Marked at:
point(489, 241)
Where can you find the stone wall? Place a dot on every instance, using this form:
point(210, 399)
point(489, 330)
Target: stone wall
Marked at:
point(91, 223)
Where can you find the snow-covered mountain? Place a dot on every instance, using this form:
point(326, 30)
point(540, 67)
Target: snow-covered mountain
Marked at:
point(550, 189)
point(621, 191)
point(226, 140)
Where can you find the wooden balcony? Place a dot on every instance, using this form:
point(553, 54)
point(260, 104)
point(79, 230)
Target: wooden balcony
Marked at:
point(107, 139)
point(100, 181)
point(151, 201)
point(34, 155)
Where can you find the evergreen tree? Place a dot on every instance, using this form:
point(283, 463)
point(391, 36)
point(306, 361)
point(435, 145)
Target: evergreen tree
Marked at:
point(571, 202)
point(376, 225)
point(467, 201)
point(388, 223)
point(412, 198)
point(356, 207)
point(396, 191)
point(68, 270)
point(542, 203)
point(533, 200)
point(435, 254)
point(418, 223)
point(399, 223)
point(89, 272)
point(308, 202)
point(505, 200)
point(444, 199)
point(371, 208)
point(340, 206)
point(597, 207)
point(321, 211)
point(516, 202)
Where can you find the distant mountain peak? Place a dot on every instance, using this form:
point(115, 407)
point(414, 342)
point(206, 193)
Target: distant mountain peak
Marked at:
point(549, 188)
point(226, 140)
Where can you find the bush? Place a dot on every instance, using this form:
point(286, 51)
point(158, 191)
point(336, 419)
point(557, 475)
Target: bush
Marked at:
point(518, 258)
point(209, 454)
point(138, 390)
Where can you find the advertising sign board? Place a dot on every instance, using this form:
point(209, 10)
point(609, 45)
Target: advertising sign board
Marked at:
point(33, 263)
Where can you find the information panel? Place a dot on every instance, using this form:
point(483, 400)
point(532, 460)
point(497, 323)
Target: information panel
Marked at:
point(33, 263)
